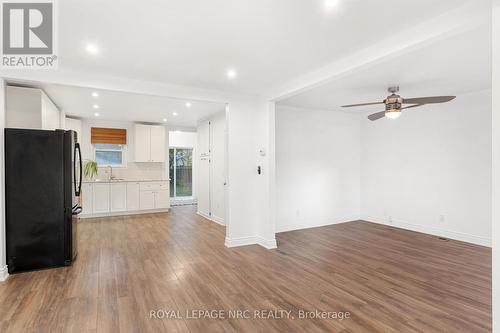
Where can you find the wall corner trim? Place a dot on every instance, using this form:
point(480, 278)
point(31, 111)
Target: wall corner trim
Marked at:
point(267, 243)
point(4, 274)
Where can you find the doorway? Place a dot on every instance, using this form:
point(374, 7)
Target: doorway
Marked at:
point(181, 175)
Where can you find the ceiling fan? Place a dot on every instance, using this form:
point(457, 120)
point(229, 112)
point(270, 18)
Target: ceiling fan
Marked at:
point(394, 104)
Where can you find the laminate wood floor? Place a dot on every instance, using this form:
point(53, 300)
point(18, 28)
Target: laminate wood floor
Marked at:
point(388, 279)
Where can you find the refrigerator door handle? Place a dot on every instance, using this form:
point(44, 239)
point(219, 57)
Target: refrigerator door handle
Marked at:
point(78, 189)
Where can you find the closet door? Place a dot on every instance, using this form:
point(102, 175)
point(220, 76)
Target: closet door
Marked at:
point(203, 168)
point(217, 167)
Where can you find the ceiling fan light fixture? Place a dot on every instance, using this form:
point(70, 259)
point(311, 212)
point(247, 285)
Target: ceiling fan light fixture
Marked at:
point(393, 113)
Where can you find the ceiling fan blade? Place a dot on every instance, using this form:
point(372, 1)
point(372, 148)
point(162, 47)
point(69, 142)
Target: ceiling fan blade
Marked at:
point(428, 100)
point(376, 116)
point(412, 106)
point(362, 104)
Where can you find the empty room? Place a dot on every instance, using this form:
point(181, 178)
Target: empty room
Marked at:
point(250, 166)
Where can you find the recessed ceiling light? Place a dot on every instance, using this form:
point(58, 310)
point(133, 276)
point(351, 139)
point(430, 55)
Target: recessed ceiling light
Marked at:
point(95, 106)
point(188, 104)
point(92, 48)
point(96, 114)
point(331, 4)
point(95, 94)
point(174, 113)
point(164, 120)
point(231, 73)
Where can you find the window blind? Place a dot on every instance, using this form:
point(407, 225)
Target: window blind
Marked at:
point(108, 135)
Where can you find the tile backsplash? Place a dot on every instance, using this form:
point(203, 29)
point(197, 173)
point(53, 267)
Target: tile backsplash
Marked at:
point(136, 171)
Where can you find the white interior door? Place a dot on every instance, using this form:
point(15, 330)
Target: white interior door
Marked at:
point(203, 157)
point(217, 167)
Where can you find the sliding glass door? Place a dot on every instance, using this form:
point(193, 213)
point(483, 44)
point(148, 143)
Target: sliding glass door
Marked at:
point(181, 172)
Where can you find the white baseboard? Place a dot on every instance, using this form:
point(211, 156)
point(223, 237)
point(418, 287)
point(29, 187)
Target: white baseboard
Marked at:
point(251, 240)
point(299, 226)
point(479, 240)
point(215, 219)
point(241, 241)
point(267, 243)
point(124, 213)
point(4, 273)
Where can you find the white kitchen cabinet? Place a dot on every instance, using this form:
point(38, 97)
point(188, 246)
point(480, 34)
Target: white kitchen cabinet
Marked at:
point(100, 198)
point(133, 196)
point(30, 108)
point(142, 143)
point(162, 198)
point(86, 194)
point(158, 147)
point(118, 197)
point(147, 199)
point(150, 143)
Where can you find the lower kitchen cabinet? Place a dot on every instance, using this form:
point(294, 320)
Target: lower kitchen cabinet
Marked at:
point(162, 199)
point(118, 197)
point(86, 197)
point(122, 197)
point(100, 198)
point(133, 196)
point(147, 200)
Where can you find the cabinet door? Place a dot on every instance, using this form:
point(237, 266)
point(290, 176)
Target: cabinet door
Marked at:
point(133, 196)
point(147, 199)
point(86, 198)
point(142, 143)
point(118, 197)
point(162, 199)
point(158, 144)
point(100, 198)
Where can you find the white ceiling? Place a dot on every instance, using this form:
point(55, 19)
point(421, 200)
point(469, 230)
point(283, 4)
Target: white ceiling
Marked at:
point(454, 66)
point(194, 42)
point(123, 106)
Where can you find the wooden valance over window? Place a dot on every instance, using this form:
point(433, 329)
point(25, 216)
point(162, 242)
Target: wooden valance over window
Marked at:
point(108, 135)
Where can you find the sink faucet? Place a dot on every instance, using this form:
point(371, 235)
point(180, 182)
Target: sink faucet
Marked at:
point(111, 177)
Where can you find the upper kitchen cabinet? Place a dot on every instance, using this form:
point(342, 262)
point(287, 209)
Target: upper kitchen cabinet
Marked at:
point(150, 143)
point(31, 108)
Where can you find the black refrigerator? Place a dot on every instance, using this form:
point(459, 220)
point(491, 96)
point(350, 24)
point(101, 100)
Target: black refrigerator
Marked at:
point(43, 178)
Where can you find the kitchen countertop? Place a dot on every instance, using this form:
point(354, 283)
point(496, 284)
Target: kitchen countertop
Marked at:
point(124, 180)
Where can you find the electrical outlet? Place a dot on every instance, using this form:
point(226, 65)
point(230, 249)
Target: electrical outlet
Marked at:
point(442, 218)
point(390, 219)
point(297, 213)
point(386, 213)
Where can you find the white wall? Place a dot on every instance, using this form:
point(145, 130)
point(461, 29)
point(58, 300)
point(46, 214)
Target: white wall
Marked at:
point(3, 255)
point(496, 165)
point(318, 168)
point(430, 170)
point(74, 125)
point(247, 212)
